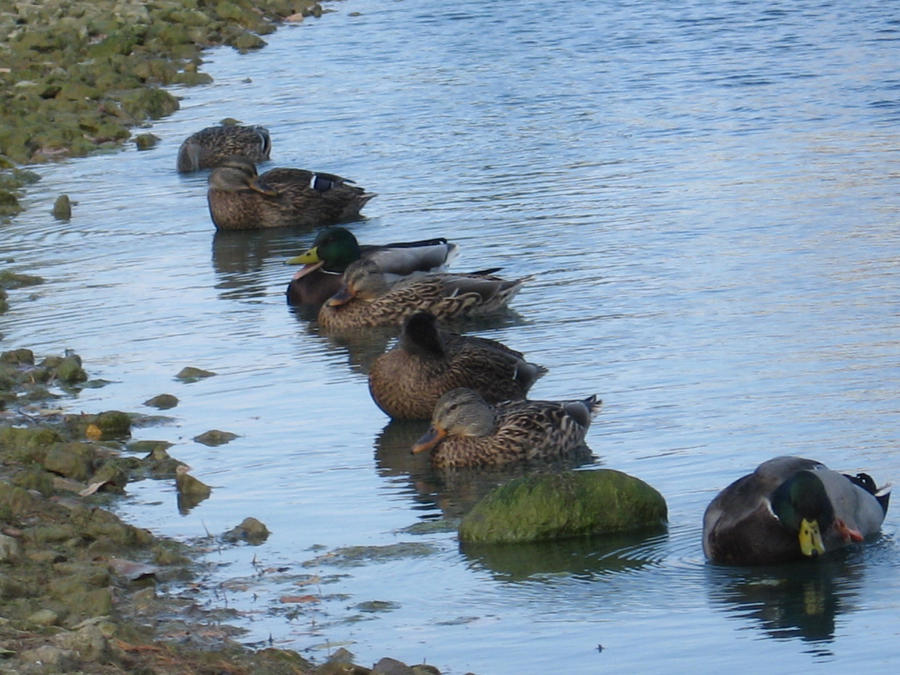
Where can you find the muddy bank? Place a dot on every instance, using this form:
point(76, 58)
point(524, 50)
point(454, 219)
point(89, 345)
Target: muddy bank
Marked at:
point(79, 76)
point(81, 590)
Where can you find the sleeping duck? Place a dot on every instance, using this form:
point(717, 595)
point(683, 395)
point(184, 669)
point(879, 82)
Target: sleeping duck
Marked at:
point(467, 431)
point(408, 380)
point(789, 509)
point(211, 146)
point(335, 248)
point(239, 199)
point(370, 297)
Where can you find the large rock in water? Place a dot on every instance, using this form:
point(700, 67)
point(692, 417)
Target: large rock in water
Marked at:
point(554, 506)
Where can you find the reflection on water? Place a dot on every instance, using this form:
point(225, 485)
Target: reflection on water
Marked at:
point(801, 600)
point(706, 195)
point(582, 557)
point(453, 491)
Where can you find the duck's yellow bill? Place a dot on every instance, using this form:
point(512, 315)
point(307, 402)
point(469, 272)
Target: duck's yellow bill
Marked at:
point(810, 538)
point(310, 256)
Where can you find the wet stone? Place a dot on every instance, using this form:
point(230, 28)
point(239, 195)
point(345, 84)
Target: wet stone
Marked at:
point(191, 374)
point(250, 530)
point(162, 401)
point(215, 437)
point(62, 208)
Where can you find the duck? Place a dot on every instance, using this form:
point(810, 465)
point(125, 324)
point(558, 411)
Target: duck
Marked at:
point(239, 199)
point(467, 431)
point(369, 297)
point(211, 146)
point(791, 508)
point(407, 381)
point(336, 247)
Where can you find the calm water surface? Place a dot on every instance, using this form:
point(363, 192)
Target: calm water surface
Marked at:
point(707, 194)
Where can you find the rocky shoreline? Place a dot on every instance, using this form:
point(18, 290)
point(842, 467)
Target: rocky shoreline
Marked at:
point(81, 590)
point(78, 76)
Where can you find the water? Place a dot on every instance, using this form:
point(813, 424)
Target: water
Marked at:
point(707, 195)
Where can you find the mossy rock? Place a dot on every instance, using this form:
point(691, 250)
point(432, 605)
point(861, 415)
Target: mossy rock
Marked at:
point(18, 357)
point(146, 141)
point(215, 437)
point(72, 460)
point(62, 208)
point(554, 506)
point(162, 401)
point(14, 280)
point(192, 374)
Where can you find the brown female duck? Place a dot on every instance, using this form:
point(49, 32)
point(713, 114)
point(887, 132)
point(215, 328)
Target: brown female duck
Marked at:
point(370, 298)
point(335, 248)
point(239, 199)
point(211, 146)
point(467, 431)
point(407, 381)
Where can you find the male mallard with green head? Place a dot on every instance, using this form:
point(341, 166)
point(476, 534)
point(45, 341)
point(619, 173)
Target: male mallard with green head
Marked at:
point(239, 199)
point(407, 381)
point(370, 298)
point(789, 509)
point(467, 431)
point(211, 146)
point(335, 248)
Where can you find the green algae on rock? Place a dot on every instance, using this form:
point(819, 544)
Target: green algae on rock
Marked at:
point(215, 437)
point(162, 401)
point(77, 75)
point(554, 506)
point(191, 374)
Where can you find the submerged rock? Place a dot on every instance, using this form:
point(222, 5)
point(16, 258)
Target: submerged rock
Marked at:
point(554, 506)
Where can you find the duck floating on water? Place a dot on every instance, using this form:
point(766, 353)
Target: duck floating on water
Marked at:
point(467, 431)
point(791, 508)
point(239, 199)
point(407, 381)
point(335, 248)
point(370, 298)
point(211, 146)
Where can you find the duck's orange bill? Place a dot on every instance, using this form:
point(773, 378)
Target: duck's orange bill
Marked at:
point(428, 440)
point(342, 297)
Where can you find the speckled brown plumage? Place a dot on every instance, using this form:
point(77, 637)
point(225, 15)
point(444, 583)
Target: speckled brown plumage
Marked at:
point(240, 200)
point(370, 299)
point(427, 362)
point(211, 146)
point(467, 431)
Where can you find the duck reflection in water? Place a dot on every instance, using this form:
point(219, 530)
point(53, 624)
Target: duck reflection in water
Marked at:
point(790, 601)
point(453, 491)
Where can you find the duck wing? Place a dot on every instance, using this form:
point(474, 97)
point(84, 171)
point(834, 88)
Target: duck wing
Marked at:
point(404, 258)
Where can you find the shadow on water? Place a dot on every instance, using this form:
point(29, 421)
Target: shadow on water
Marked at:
point(582, 557)
point(454, 491)
point(800, 600)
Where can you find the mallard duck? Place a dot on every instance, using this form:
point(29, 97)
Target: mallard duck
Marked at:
point(791, 508)
point(239, 199)
point(369, 298)
point(211, 146)
point(336, 247)
point(467, 431)
point(427, 362)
